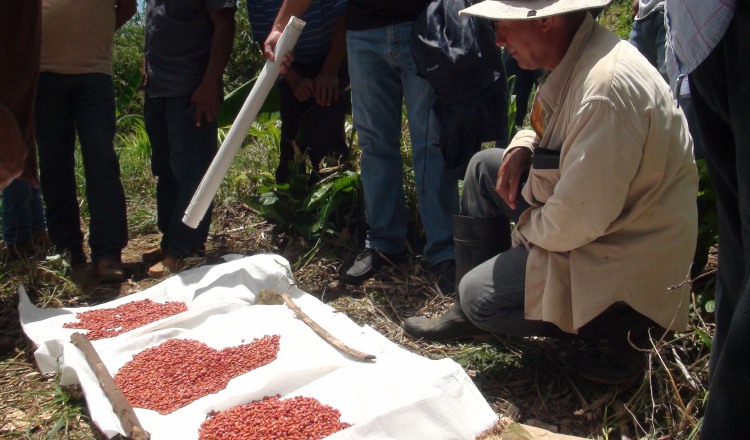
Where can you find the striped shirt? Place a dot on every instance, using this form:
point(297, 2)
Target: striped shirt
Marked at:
point(315, 40)
point(694, 28)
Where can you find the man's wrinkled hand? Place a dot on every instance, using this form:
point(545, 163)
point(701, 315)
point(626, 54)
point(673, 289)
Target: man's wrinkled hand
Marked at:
point(516, 163)
point(207, 102)
point(326, 89)
point(269, 46)
point(304, 89)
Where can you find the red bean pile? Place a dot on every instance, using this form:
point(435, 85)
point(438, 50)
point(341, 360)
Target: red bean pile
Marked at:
point(178, 371)
point(298, 418)
point(107, 323)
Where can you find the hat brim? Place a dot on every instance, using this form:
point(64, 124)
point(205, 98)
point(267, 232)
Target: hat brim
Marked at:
point(528, 9)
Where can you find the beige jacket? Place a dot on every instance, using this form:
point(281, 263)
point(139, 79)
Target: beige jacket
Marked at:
point(618, 220)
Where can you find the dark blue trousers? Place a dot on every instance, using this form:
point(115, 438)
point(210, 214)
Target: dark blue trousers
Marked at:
point(720, 88)
point(82, 104)
point(180, 155)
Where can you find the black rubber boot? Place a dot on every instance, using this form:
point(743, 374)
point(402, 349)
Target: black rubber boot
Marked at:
point(476, 241)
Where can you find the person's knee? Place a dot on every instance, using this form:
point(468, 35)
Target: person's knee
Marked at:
point(484, 162)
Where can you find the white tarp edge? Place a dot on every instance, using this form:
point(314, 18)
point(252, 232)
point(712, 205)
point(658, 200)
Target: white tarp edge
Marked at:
point(400, 395)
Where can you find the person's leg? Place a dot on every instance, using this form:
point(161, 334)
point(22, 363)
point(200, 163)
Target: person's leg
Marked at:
point(55, 130)
point(17, 221)
point(640, 38)
point(93, 103)
point(154, 118)
point(376, 111)
point(38, 222)
point(492, 295)
point(720, 89)
point(376, 106)
point(191, 150)
point(291, 111)
point(659, 32)
point(437, 194)
point(482, 232)
point(321, 127)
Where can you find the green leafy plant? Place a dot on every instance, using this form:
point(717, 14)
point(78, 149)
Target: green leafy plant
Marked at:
point(332, 205)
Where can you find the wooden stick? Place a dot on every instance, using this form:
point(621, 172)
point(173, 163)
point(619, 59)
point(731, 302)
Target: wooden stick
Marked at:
point(323, 333)
point(120, 405)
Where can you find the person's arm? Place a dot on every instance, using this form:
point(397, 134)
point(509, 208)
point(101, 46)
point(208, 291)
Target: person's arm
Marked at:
point(12, 147)
point(634, 7)
point(327, 80)
point(288, 9)
point(516, 163)
point(124, 11)
point(207, 97)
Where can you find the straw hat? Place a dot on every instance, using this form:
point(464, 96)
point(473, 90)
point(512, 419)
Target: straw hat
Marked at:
point(528, 9)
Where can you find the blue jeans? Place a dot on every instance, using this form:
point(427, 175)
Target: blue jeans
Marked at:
point(720, 88)
point(383, 75)
point(23, 214)
point(82, 103)
point(180, 155)
point(649, 36)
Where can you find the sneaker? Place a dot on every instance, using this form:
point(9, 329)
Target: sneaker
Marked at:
point(365, 265)
point(110, 271)
point(446, 272)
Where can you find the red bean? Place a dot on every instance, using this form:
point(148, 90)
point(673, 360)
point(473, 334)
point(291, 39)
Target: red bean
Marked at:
point(178, 371)
point(296, 418)
point(110, 322)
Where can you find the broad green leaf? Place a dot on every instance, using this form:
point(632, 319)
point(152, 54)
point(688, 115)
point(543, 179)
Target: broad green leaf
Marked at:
point(233, 102)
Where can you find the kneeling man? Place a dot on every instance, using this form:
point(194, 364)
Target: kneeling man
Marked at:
point(602, 192)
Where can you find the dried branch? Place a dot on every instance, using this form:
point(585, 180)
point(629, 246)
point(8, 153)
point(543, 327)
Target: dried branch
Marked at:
point(120, 404)
point(323, 333)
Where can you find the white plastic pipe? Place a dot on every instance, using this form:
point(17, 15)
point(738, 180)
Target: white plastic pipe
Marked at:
point(249, 111)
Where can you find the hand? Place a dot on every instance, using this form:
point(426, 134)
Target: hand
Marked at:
point(207, 102)
point(269, 46)
point(304, 90)
point(515, 163)
point(634, 8)
point(286, 63)
point(326, 89)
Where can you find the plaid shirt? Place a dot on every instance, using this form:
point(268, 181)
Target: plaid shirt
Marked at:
point(694, 28)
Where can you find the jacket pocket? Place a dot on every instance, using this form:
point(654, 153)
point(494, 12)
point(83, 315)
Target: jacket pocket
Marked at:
point(542, 183)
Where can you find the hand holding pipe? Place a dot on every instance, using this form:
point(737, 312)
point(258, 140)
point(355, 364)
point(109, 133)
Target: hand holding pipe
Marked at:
point(220, 165)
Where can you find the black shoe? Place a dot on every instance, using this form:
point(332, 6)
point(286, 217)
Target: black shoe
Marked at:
point(613, 363)
point(365, 265)
point(452, 326)
point(446, 272)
